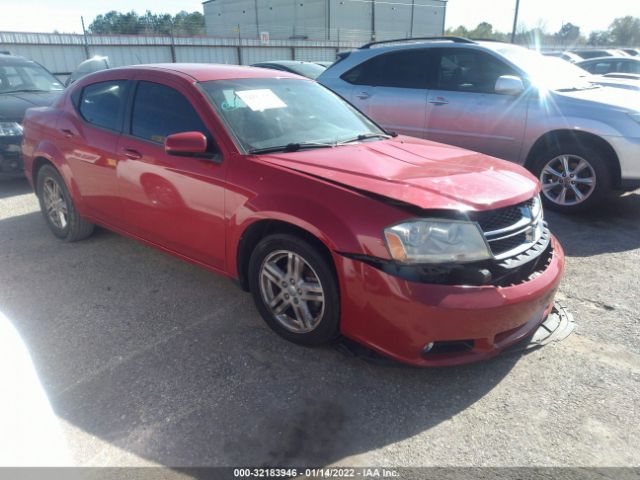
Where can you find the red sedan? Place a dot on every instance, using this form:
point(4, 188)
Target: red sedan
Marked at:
point(427, 253)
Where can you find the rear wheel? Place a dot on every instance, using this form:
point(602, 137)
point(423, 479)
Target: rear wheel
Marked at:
point(573, 177)
point(57, 207)
point(295, 290)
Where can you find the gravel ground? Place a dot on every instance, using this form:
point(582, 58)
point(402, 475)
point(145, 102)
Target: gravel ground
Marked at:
point(131, 357)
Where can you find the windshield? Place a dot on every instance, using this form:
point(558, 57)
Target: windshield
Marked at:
point(27, 77)
point(265, 113)
point(546, 72)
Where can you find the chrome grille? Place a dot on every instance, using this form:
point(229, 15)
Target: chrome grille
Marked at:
point(513, 230)
point(502, 217)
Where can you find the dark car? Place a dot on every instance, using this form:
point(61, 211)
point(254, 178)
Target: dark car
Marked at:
point(604, 65)
point(23, 84)
point(306, 69)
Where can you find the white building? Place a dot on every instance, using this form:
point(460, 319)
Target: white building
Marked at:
point(362, 20)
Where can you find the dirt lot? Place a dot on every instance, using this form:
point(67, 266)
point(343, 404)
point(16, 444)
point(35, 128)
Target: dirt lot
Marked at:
point(143, 359)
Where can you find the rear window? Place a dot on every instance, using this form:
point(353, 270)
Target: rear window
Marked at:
point(403, 69)
point(102, 104)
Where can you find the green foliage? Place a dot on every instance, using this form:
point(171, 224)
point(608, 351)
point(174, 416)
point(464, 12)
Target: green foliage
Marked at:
point(623, 31)
point(183, 23)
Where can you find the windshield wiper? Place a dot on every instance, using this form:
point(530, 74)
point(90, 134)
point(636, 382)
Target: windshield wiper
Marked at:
point(291, 147)
point(363, 136)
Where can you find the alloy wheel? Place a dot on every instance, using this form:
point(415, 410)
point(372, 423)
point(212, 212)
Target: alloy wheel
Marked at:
point(55, 204)
point(292, 291)
point(568, 180)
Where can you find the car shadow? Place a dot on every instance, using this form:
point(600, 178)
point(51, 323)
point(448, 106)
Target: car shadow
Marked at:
point(14, 186)
point(173, 364)
point(612, 227)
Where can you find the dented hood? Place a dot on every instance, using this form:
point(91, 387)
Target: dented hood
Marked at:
point(418, 172)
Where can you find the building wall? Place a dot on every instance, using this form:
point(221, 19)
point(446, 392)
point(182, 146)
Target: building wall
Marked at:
point(354, 20)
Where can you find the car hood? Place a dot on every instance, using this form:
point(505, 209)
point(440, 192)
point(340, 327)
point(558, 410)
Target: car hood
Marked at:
point(425, 174)
point(13, 105)
point(608, 96)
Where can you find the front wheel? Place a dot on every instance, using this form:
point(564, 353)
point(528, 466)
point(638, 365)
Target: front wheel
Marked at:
point(574, 178)
point(295, 290)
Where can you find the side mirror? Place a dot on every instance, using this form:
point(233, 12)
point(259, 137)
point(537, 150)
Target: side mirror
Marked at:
point(509, 85)
point(186, 144)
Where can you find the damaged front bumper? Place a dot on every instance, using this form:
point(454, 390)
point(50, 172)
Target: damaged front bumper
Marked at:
point(429, 324)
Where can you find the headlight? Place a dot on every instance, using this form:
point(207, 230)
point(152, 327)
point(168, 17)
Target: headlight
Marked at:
point(436, 241)
point(536, 207)
point(10, 129)
point(635, 116)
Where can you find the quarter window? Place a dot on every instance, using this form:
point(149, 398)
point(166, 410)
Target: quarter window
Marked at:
point(470, 71)
point(402, 69)
point(102, 104)
point(159, 111)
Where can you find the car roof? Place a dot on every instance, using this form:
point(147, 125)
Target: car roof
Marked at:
point(8, 58)
point(608, 59)
point(203, 72)
point(285, 63)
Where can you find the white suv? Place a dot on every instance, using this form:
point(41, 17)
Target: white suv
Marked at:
point(580, 139)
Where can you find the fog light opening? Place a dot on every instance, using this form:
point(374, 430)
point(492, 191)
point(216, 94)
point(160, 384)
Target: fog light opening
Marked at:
point(427, 348)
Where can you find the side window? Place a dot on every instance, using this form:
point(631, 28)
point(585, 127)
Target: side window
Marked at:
point(102, 104)
point(629, 66)
point(159, 111)
point(465, 70)
point(402, 69)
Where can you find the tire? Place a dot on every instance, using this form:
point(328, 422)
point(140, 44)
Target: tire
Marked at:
point(49, 184)
point(286, 318)
point(596, 168)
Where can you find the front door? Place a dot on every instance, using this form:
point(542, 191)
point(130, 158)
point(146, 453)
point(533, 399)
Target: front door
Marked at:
point(464, 110)
point(173, 201)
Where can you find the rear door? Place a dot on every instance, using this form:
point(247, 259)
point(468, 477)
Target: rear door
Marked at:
point(392, 89)
point(464, 110)
point(173, 201)
point(88, 138)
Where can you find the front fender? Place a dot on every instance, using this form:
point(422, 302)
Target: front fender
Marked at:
point(343, 220)
point(537, 129)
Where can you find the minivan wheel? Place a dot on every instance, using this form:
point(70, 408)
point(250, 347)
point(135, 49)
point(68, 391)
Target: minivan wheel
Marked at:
point(57, 207)
point(573, 178)
point(295, 290)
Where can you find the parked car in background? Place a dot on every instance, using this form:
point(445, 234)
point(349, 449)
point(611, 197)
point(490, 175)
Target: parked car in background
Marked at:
point(306, 69)
point(594, 53)
point(634, 52)
point(568, 56)
point(325, 64)
point(581, 140)
point(602, 65)
point(628, 81)
point(23, 84)
point(428, 253)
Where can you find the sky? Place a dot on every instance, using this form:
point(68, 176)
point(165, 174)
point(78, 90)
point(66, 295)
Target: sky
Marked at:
point(64, 16)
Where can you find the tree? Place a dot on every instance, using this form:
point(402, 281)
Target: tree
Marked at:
point(599, 38)
point(568, 34)
point(625, 31)
point(183, 23)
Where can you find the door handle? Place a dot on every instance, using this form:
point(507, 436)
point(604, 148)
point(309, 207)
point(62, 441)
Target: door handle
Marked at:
point(363, 95)
point(132, 154)
point(67, 133)
point(439, 101)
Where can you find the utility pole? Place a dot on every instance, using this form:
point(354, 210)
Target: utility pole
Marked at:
point(84, 33)
point(515, 22)
point(413, 7)
point(373, 20)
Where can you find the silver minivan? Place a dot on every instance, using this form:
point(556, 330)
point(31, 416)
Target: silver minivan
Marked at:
point(582, 140)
